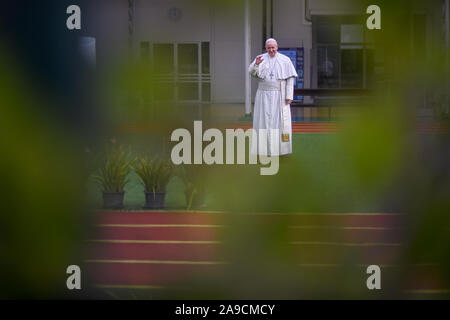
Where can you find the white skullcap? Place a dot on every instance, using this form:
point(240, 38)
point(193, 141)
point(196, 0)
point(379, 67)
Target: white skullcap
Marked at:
point(271, 40)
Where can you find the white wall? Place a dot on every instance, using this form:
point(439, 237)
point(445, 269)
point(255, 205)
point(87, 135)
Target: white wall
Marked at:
point(152, 21)
point(228, 52)
point(229, 68)
point(337, 7)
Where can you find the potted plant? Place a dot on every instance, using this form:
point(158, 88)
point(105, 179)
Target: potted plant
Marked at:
point(112, 176)
point(155, 174)
point(194, 182)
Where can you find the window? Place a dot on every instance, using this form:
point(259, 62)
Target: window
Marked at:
point(181, 70)
point(205, 57)
point(188, 58)
point(344, 52)
point(328, 66)
point(163, 58)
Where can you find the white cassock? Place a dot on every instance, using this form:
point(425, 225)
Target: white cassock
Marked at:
point(272, 121)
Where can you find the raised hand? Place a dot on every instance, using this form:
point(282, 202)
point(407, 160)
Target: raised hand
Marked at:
point(259, 59)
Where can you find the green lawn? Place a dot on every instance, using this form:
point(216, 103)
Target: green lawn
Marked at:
point(318, 177)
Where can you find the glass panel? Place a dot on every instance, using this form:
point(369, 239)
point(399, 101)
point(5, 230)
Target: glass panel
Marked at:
point(328, 33)
point(206, 91)
point(327, 63)
point(327, 29)
point(351, 33)
point(188, 91)
point(353, 19)
point(163, 58)
point(205, 57)
point(351, 68)
point(188, 58)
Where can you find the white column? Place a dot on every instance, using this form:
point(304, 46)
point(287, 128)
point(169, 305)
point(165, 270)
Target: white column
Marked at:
point(248, 89)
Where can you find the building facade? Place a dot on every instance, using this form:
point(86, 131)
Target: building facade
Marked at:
point(199, 47)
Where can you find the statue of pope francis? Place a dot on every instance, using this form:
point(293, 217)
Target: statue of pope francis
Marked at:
point(272, 124)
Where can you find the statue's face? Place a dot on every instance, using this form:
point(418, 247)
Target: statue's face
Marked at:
point(271, 48)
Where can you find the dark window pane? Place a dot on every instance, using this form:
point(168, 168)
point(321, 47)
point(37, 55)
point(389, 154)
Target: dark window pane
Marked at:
point(333, 29)
point(353, 19)
point(327, 29)
point(188, 91)
point(351, 68)
point(351, 33)
point(328, 33)
point(187, 58)
point(163, 58)
point(328, 67)
point(205, 57)
point(206, 91)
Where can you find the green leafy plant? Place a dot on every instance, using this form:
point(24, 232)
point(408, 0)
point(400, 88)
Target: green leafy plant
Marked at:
point(155, 174)
point(193, 179)
point(113, 172)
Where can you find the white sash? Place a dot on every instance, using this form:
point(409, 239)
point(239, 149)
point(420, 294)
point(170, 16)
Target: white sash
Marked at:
point(269, 85)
